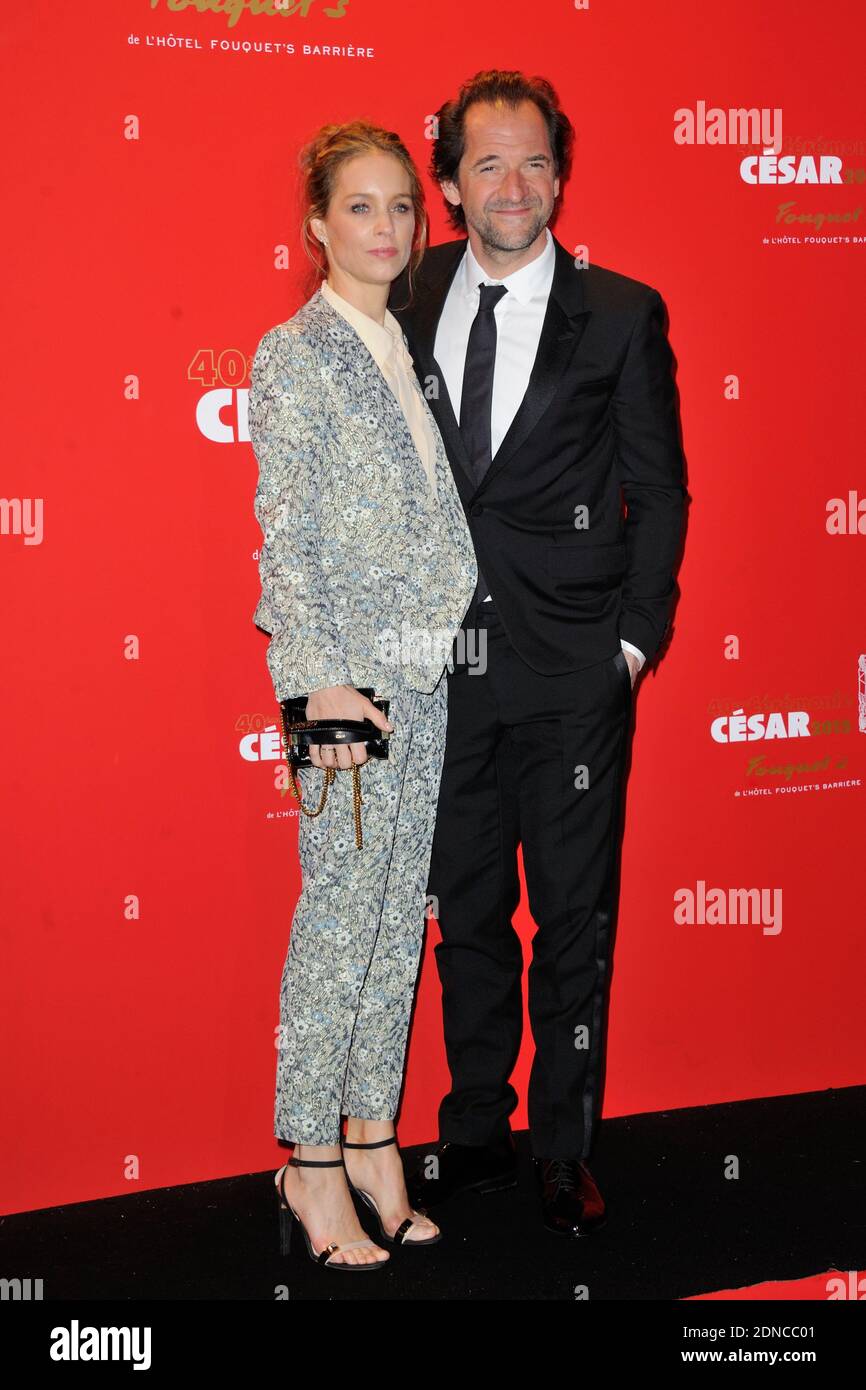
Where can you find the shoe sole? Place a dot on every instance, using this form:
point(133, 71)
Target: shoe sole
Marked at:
point(484, 1188)
point(494, 1185)
point(288, 1219)
point(341, 1266)
point(384, 1238)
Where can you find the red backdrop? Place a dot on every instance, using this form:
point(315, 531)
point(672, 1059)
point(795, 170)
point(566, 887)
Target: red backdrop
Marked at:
point(151, 871)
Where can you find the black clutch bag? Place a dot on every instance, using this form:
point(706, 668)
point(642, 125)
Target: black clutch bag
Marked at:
point(299, 732)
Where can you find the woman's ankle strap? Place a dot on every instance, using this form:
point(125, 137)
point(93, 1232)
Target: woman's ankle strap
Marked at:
point(378, 1144)
point(316, 1162)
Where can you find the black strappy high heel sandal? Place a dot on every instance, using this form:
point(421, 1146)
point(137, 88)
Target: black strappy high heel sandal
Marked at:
point(288, 1216)
point(399, 1236)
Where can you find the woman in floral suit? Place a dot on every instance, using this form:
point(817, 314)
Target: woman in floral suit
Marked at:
point(367, 571)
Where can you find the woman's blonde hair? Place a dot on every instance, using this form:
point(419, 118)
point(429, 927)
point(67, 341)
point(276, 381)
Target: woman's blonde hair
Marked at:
point(320, 161)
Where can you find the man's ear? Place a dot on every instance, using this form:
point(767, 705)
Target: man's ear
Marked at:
point(451, 191)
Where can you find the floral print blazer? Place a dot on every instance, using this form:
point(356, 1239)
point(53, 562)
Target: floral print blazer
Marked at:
point(365, 575)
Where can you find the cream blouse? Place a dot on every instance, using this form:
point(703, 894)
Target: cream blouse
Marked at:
point(388, 347)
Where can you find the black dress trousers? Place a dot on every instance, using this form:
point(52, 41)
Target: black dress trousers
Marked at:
point(537, 760)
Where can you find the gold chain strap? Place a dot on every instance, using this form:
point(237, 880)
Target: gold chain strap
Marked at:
point(330, 773)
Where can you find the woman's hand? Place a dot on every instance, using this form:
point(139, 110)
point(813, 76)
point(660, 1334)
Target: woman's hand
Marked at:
point(342, 702)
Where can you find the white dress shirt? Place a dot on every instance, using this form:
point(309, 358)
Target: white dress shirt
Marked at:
point(519, 317)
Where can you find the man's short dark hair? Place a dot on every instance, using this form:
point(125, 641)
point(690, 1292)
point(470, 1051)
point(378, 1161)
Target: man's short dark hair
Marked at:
point(494, 85)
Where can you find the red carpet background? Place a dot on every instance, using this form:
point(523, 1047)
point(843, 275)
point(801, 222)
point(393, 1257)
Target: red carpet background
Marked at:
point(151, 237)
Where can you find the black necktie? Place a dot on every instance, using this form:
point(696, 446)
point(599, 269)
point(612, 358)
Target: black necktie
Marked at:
point(476, 399)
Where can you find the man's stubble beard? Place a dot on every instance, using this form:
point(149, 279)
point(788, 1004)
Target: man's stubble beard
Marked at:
point(493, 239)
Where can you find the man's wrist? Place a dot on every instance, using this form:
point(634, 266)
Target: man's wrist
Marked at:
point(636, 651)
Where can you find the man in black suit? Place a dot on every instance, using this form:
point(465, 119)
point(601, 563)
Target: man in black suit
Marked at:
point(552, 386)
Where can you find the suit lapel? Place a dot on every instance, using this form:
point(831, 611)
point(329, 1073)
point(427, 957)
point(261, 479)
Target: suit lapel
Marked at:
point(564, 324)
point(420, 322)
point(357, 352)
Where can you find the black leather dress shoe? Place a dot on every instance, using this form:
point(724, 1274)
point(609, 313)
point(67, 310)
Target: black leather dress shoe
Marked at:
point(463, 1168)
point(570, 1200)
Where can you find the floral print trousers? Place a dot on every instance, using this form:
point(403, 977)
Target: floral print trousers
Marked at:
point(352, 963)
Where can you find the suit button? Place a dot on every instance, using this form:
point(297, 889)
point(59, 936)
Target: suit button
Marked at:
point(477, 509)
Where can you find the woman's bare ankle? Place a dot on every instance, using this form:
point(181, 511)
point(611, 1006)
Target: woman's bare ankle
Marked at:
point(317, 1152)
point(361, 1131)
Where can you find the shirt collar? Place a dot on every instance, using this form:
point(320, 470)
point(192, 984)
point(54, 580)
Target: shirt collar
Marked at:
point(524, 284)
point(384, 340)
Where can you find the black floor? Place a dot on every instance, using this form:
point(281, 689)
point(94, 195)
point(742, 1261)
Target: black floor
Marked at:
point(676, 1225)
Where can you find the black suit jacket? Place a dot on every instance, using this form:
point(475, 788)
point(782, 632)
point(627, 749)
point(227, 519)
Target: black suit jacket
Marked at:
point(598, 424)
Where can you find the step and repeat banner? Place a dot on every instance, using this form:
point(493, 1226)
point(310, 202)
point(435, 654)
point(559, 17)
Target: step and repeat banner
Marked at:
point(152, 230)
